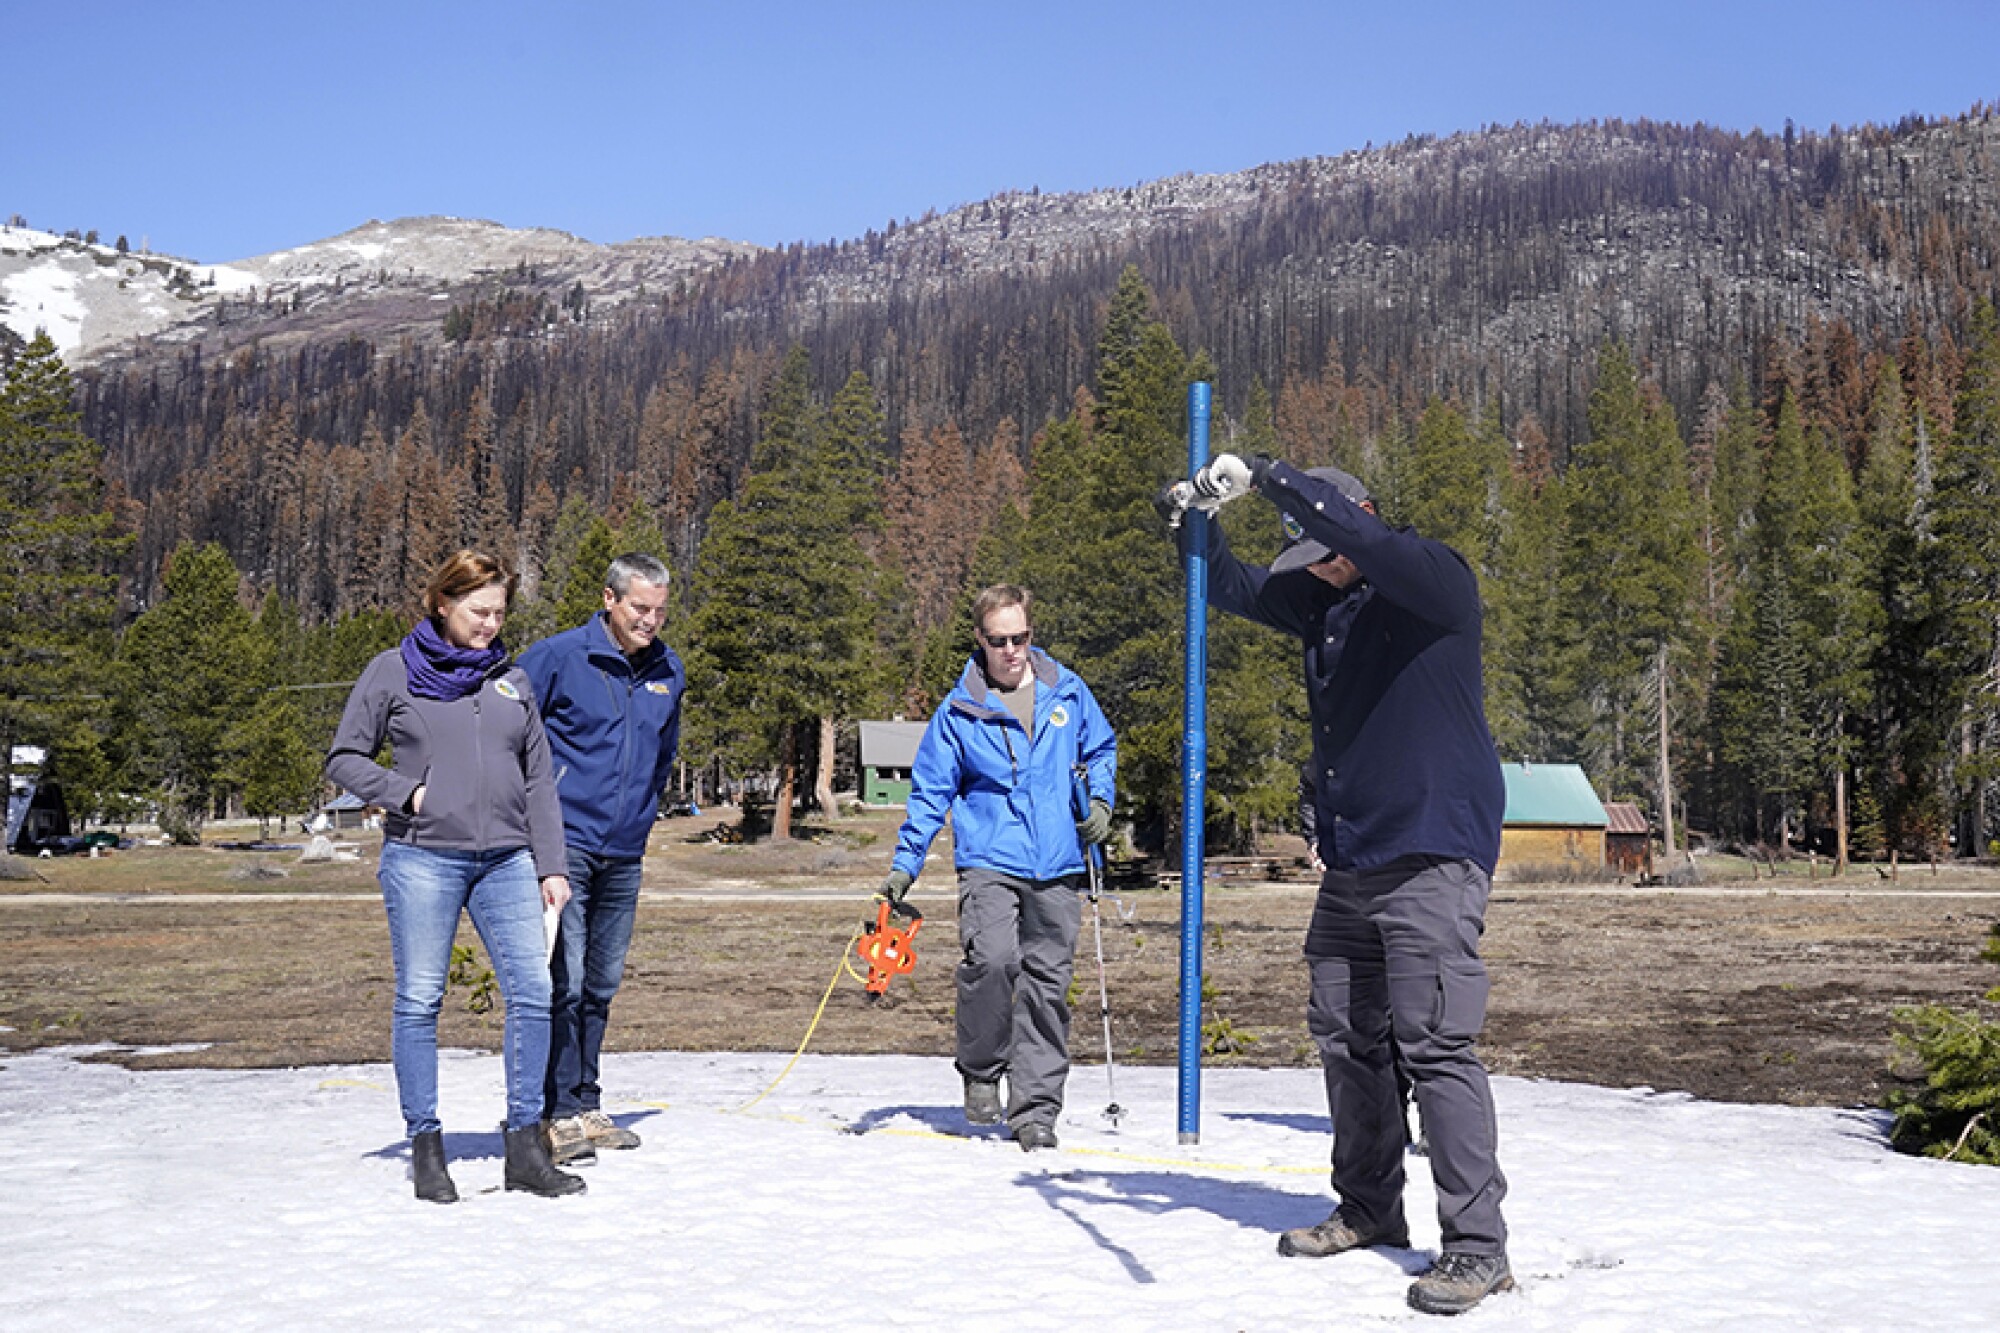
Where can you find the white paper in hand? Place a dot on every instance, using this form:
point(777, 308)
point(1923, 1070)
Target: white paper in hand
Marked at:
point(551, 923)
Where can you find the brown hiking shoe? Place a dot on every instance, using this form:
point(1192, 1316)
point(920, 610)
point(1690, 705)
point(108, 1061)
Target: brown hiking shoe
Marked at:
point(569, 1142)
point(1459, 1281)
point(1337, 1235)
point(604, 1132)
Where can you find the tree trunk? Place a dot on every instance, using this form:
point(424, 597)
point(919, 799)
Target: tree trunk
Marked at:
point(1666, 766)
point(823, 780)
point(1971, 825)
point(1840, 820)
point(788, 777)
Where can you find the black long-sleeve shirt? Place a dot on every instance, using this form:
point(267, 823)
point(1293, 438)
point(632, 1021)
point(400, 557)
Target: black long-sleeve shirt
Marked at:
point(1402, 761)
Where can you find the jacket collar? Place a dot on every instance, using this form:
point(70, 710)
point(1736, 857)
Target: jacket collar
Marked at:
point(976, 695)
point(601, 643)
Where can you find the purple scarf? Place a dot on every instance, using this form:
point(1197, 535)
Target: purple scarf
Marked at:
point(439, 670)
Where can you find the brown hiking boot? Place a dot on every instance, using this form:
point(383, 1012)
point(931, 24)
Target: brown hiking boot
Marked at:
point(1459, 1281)
point(604, 1132)
point(1337, 1235)
point(569, 1142)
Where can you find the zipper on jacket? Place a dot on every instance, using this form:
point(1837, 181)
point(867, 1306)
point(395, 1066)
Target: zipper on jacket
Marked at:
point(479, 767)
point(623, 793)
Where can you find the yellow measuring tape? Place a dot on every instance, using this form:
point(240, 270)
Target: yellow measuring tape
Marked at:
point(813, 1026)
point(847, 968)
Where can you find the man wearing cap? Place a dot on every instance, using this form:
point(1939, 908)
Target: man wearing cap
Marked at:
point(1409, 801)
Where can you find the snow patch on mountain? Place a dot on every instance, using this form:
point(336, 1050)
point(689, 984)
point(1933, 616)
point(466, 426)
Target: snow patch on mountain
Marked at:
point(85, 295)
point(94, 299)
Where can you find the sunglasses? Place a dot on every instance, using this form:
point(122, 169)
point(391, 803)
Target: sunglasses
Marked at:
point(1007, 640)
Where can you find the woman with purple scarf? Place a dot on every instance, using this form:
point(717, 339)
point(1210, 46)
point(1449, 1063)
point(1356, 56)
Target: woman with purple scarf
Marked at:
point(471, 825)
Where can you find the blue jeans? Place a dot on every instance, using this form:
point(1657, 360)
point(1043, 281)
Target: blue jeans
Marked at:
point(588, 965)
point(424, 892)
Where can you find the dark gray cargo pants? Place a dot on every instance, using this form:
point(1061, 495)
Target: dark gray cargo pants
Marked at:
point(1019, 938)
point(1399, 945)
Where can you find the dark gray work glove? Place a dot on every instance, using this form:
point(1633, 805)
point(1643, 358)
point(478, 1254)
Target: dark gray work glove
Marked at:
point(1097, 827)
point(896, 888)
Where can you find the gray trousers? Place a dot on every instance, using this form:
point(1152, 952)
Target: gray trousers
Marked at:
point(1399, 946)
point(1019, 937)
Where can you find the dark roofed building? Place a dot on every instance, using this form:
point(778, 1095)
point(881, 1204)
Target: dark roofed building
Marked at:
point(1628, 839)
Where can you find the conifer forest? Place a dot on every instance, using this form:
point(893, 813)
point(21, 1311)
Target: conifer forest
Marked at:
point(1715, 417)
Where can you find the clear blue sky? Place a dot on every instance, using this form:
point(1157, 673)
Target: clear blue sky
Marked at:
point(221, 129)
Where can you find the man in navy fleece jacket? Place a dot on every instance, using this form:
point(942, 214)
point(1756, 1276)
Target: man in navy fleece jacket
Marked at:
point(609, 693)
point(1409, 799)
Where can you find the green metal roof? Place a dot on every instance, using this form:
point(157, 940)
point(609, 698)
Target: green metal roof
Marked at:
point(1551, 794)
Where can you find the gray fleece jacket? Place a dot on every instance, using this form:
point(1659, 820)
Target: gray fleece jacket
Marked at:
point(483, 762)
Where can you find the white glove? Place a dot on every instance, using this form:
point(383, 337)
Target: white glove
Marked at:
point(1214, 486)
point(1172, 503)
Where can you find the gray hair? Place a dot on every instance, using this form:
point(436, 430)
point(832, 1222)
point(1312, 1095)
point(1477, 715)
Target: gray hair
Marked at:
point(618, 578)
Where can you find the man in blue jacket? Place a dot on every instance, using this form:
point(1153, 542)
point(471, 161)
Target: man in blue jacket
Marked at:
point(1000, 756)
point(609, 693)
point(1409, 801)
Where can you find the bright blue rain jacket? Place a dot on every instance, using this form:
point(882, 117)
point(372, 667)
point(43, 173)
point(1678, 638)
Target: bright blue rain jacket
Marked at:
point(1010, 798)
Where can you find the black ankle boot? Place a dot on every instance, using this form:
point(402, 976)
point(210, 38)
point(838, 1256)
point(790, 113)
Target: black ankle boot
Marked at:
point(427, 1169)
point(529, 1167)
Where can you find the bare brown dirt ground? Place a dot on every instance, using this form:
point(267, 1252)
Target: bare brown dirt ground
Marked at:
point(1767, 991)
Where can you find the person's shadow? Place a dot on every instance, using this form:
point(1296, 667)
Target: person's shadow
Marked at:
point(949, 1119)
point(473, 1145)
point(1257, 1207)
point(1304, 1123)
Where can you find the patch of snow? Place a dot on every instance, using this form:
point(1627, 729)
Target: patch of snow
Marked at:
point(228, 280)
point(44, 297)
point(26, 240)
point(854, 1196)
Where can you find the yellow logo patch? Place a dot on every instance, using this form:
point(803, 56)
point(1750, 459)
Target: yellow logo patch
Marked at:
point(505, 689)
point(657, 688)
point(1059, 716)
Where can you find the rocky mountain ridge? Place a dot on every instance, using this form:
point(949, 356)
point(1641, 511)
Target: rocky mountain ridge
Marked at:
point(1507, 237)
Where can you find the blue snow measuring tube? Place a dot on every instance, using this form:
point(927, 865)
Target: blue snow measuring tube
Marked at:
point(1194, 776)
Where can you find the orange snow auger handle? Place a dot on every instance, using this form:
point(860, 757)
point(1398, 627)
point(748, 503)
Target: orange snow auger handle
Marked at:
point(886, 948)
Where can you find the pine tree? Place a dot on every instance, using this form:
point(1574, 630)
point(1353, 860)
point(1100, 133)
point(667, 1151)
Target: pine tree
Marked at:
point(1452, 484)
point(1967, 526)
point(278, 768)
point(581, 594)
point(1907, 725)
point(58, 552)
point(1107, 584)
point(783, 631)
point(565, 574)
point(1726, 466)
point(1837, 622)
point(1534, 703)
point(1627, 569)
point(187, 672)
point(1795, 669)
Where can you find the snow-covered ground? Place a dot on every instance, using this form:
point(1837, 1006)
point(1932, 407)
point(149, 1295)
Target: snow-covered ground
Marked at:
point(853, 1197)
